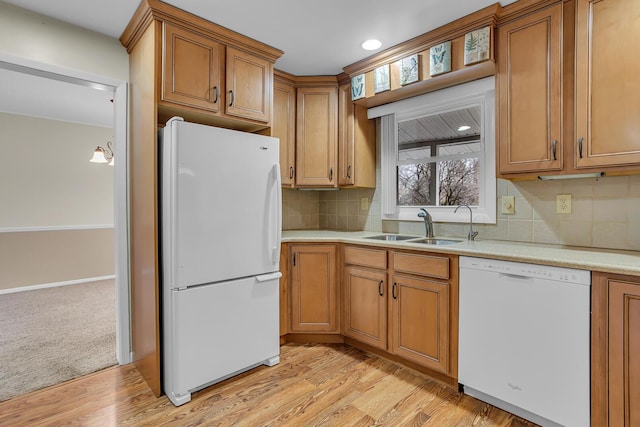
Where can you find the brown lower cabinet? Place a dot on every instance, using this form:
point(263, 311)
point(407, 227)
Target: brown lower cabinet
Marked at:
point(615, 354)
point(314, 297)
point(403, 303)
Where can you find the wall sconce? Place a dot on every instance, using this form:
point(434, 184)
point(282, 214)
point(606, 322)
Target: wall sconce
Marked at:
point(103, 155)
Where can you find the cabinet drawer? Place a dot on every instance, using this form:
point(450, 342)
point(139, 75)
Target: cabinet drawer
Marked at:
point(424, 265)
point(375, 258)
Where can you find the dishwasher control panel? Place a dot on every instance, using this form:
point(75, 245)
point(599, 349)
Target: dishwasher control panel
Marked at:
point(559, 274)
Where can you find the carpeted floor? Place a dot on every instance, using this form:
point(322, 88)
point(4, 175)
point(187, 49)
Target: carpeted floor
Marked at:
point(48, 336)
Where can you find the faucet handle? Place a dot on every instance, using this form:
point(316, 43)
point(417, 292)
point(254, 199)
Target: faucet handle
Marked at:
point(472, 235)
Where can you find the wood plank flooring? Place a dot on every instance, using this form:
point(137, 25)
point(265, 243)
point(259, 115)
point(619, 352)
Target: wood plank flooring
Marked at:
point(314, 385)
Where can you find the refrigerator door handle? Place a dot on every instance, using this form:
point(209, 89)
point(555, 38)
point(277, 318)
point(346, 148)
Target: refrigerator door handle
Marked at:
point(275, 255)
point(269, 277)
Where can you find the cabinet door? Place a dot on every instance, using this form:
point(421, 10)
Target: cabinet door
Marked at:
point(356, 143)
point(530, 97)
point(419, 324)
point(624, 350)
point(365, 305)
point(249, 86)
point(316, 136)
point(313, 289)
point(191, 69)
point(607, 83)
point(283, 126)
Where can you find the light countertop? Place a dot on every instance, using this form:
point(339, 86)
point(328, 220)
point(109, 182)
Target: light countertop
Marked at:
point(604, 260)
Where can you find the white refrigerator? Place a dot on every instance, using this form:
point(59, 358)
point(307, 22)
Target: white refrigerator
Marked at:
point(220, 243)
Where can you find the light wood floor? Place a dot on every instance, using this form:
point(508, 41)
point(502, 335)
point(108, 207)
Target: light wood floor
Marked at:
point(314, 385)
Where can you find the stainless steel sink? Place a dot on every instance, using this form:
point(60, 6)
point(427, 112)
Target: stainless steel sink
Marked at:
point(436, 241)
point(391, 237)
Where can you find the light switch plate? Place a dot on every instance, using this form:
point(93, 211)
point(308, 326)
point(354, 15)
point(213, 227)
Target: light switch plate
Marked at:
point(563, 203)
point(508, 205)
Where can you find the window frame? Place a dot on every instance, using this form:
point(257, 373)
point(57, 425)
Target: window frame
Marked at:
point(479, 92)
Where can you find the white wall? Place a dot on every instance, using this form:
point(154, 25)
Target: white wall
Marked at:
point(38, 38)
point(46, 178)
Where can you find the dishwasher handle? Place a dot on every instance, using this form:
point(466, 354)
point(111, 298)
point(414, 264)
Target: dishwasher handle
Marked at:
point(515, 277)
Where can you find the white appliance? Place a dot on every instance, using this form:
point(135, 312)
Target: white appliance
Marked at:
point(221, 220)
point(524, 339)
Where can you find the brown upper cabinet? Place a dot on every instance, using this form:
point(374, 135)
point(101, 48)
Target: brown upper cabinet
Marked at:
point(566, 88)
point(529, 81)
point(191, 69)
point(356, 143)
point(317, 136)
point(283, 125)
point(607, 83)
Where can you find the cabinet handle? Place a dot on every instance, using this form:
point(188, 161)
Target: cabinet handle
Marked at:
point(393, 290)
point(231, 102)
point(294, 259)
point(330, 174)
point(555, 145)
point(380, 291)
point(580, 146)
point(348, 171)
point(290, 172)
point(215, 97)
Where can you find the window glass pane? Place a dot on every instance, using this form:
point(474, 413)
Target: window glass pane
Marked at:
point(416, 185)
point(459, 182)
point(459, 148)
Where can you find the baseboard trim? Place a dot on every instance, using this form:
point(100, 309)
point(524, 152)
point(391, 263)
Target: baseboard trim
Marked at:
point(55, 284)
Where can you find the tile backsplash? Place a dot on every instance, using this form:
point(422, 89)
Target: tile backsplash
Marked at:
point(605, 213)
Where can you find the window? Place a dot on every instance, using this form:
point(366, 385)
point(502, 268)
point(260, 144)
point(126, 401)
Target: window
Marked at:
point(438, 153)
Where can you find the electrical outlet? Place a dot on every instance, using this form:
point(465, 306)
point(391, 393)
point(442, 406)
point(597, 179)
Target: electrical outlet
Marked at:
point(563, 203)
point(364, 203)
point(508, 205)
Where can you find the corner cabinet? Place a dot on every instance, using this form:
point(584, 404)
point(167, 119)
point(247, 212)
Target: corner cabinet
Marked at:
point(529, 82)
point(314, 297)
point(317, 136)
point(615, 346)
point(607, 83)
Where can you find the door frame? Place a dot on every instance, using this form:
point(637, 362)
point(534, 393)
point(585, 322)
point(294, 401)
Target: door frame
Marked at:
point(121, 179)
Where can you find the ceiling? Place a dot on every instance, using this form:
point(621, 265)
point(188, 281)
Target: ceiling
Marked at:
point(318, 39)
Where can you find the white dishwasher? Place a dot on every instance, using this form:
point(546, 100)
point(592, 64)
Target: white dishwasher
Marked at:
point(524, 339)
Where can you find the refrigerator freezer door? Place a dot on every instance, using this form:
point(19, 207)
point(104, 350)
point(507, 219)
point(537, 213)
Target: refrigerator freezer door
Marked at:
point(221, 204)
point(219, 330)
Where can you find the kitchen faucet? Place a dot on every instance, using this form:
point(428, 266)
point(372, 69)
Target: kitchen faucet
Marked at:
point(428, 224)
point(472, 234)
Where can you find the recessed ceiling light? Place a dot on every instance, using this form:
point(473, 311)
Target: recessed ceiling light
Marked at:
point(463, 127)
point(372, 44)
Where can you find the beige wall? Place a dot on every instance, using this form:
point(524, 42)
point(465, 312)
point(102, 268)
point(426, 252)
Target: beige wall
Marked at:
point(43, 257)
point(39, 38)
point(47, 183)
point(46, 178)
